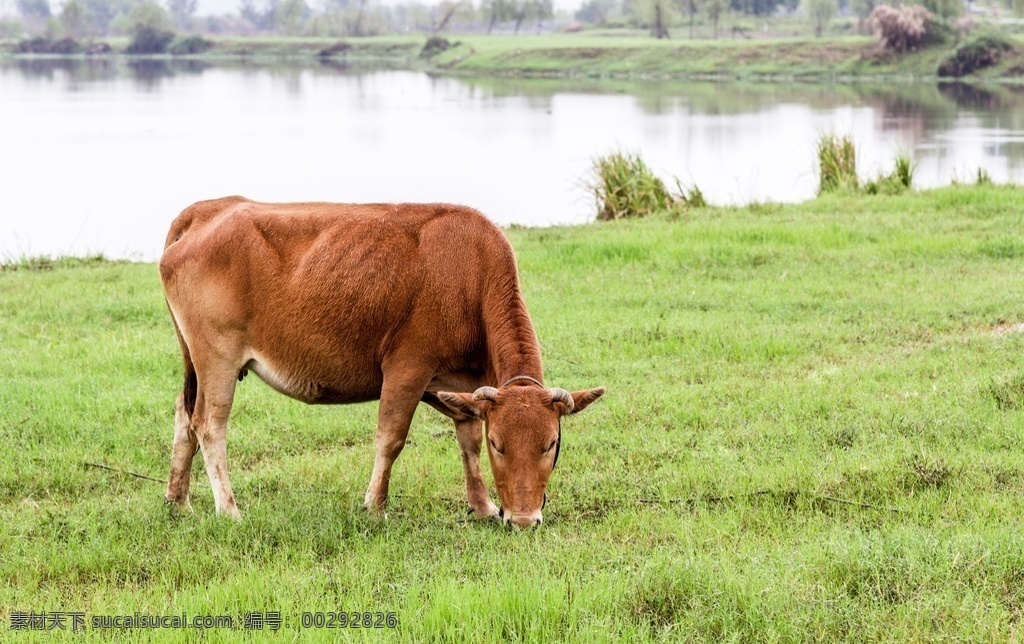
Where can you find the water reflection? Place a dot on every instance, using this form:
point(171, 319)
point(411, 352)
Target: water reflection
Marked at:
point(170, 132)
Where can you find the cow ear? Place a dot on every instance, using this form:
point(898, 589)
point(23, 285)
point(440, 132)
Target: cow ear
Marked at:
point(463, 404)
point(582, 399)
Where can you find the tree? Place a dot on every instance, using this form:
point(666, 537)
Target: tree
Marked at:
point(291, 16)
point(715, 9)
point(182, 11)
point(34, 9)
point(72, 18)
point(657, 15)
point(862, 9)
point(100, 14)
point(148, 15)
point(545, 10)
point(447, 10)
point(520, 10)
point(595, 12)
point(499, 10)
point(820, 13)
point(150, 28)
point(691, 7)
point(945, 8)
point(262, 19)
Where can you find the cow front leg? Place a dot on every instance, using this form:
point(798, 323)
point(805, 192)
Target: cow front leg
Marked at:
point(185, 446)
point(470, 435)
point(398, 400)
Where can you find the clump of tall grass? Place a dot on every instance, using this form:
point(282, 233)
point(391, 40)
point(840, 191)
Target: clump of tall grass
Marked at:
point(837, 163)
point(896, 181)
point(625, 186)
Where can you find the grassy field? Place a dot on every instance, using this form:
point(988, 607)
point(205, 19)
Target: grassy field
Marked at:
point(813, 430)
point(604, 54)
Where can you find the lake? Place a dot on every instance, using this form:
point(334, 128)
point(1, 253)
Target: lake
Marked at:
point(100, 155)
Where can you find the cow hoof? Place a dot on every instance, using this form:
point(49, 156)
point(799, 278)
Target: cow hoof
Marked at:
point(230, 513)
point(179, 505)
point(484, 516)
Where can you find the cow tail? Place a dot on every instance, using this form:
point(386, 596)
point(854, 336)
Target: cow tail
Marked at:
point(190, 388)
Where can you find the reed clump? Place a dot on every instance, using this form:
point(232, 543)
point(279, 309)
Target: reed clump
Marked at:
point(837, 163)
point(900, 179)
point(625, 186)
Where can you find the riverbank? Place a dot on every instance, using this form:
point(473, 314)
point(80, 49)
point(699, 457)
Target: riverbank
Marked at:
point(604, 56)
point(812, 429)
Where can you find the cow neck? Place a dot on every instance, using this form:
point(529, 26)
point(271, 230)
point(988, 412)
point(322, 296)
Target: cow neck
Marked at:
point(512, 344)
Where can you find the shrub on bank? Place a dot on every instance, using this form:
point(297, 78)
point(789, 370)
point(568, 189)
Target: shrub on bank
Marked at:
point(43, 45)
point(434, 46)
point(906, 28)
point(978, 52)
point(189, 45)
point(148, 40)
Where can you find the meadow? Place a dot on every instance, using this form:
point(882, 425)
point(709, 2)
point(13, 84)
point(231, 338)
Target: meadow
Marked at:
point(812, 431)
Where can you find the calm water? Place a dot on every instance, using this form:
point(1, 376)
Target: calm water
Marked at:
point(99, 156)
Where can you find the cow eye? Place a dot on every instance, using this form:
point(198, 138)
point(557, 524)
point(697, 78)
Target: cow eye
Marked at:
point(494, 446)
point(552, 445)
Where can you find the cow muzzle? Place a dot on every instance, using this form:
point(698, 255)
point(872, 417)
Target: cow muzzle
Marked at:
point(522, 520)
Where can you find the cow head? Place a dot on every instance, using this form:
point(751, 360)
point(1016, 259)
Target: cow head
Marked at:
point(523, 431)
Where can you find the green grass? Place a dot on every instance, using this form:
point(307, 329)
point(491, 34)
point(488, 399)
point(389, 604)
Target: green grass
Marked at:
point(812, 431)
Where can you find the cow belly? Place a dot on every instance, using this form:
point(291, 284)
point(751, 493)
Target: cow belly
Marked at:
point(314, 389)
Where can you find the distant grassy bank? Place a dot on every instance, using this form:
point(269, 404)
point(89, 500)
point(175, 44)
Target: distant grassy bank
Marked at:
point(585, 55)
point(812, 431)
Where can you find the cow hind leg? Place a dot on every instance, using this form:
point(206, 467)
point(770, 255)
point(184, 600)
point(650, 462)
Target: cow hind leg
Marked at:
point(185, 446)
point(470, 436)
point(210, 422)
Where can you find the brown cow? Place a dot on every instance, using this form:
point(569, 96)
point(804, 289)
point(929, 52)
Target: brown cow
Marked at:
point(339, 303)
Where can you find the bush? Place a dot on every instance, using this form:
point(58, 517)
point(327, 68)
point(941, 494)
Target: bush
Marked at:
point(904, 28)
point(335, 49)
point(978, 52)
point(42, 45)
point(148, 40)
point(188, 45)
point(434, 46)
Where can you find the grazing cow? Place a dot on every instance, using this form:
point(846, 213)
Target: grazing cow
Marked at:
point(339, 303)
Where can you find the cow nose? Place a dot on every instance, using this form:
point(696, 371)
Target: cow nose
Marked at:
point(524, 520)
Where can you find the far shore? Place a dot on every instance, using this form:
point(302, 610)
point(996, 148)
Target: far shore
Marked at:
point(592, 55)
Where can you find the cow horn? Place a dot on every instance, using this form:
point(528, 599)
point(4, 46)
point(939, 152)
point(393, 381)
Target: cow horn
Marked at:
point(485, 393)
point(561, 395)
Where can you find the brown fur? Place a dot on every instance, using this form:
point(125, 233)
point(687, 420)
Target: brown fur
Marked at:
point(339, 303)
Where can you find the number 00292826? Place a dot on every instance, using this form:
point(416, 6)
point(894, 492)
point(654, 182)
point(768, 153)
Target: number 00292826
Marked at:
point(349, 619)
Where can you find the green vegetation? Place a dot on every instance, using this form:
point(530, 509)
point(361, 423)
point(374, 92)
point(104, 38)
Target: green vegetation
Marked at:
point(837, 163)
point(625, 186)
point(900, 179)
point(977, 52)
point(812, 431)
point(601, 55)
point(837, 169)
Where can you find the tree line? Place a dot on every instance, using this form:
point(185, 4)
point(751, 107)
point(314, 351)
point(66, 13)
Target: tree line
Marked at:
point(89, 18)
